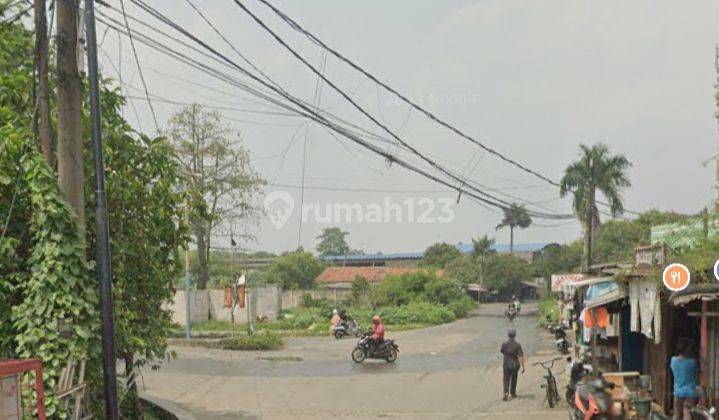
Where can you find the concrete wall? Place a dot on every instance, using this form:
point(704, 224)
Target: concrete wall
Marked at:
point(210, 305)
point(291, 298)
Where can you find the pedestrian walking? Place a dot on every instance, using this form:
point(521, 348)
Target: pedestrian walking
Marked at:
point(513, 360)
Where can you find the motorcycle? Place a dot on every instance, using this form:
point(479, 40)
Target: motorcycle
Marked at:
point(701, 412)
point(561, 340)
point(579, 369)
point(592, 401)
point(510, 313)
point(346, 328)
point(365, 349)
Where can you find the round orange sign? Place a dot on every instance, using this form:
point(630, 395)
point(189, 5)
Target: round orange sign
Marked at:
point(676, 277)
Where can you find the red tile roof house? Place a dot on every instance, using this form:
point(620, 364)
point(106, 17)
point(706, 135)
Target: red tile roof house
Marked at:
point(342, 277)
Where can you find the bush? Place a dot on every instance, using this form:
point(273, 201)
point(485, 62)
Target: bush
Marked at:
point(263, 341)
point(401, 290)
point(461, 306)
point(548, 306)
point(418, 312)
point(443, 291)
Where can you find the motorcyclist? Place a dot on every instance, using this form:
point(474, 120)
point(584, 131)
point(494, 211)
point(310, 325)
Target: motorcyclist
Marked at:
point(517, 304)
point(336, 318)
point(377, 337)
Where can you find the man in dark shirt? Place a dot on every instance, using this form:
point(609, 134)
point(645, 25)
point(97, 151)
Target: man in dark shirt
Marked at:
point(513, 360)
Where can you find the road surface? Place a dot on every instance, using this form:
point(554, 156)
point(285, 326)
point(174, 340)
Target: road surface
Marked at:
point(451, 371)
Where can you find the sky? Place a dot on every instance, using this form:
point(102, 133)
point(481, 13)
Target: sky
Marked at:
point(530, 79)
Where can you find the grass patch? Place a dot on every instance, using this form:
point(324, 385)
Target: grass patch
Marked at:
point(548, 306)
point(259, 341)
point(281, 359)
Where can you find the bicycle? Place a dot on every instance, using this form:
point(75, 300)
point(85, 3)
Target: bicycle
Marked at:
point(551, 386)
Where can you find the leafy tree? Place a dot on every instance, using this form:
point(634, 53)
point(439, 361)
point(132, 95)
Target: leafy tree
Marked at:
point(506, 273)
point(46, 284)
point(360, 290)
point(515, 216)
point(333, 242)
point(218, 178)
point(145, 211)
point(443, 291)
point(464, 270)
point(402, 289)
point(557, 258)
point(48, 298)
point(439, 255)
point(296, 270)
point(482, 248)
point(596, 169)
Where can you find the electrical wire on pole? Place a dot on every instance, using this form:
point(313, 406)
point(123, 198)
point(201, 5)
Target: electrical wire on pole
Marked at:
point(103, 265)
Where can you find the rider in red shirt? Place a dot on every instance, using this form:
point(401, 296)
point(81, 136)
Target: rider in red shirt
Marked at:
point(377, 329)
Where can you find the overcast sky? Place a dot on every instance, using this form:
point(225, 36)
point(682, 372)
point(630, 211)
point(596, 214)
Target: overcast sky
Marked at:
point(532, 79)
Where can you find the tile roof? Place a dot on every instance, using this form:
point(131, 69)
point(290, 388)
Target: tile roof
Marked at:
point(372, 274)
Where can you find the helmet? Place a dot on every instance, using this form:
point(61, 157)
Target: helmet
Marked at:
point(511, 333)
point(334, 312)
point(376, 319)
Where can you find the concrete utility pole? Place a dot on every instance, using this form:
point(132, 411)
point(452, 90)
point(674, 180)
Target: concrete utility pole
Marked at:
point(716, 115)
point(43, 86)
point(70, 169)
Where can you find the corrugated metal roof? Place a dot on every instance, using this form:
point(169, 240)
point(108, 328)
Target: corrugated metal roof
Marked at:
point(462, 247)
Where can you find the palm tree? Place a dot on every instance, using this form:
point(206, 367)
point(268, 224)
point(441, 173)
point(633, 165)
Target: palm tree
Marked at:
point(514, 216)
point(596, 169)
point(482, 247)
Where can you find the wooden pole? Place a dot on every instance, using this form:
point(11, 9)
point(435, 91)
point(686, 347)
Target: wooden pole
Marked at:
point(43, 91)
point(70, 160)
point(704, 345)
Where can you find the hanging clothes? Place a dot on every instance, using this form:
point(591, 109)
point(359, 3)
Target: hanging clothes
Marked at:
point(645, 308)
point(634, 306)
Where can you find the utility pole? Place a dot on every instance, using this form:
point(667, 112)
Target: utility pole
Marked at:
point(716, 115)
point(70, 169)
point(43, 91)
point(104, 269)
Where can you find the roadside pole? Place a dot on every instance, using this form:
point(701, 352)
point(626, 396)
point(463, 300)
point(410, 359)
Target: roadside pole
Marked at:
point(104, 269)
point(188, 310)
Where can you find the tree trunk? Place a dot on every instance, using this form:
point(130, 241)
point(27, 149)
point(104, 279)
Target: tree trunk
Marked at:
point(43, 94)
point(70, 165)
point(202, 257)
point(511, 240)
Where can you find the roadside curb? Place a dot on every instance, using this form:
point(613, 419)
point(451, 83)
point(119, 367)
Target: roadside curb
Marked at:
point(169, 406)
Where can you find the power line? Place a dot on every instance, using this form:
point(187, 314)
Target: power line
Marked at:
point(304, 109)
point(429, 161)
point(297, 27)
point(139, 68)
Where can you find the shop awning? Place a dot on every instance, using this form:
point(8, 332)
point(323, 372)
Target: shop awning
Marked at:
point(706, 291)
point(604, 293)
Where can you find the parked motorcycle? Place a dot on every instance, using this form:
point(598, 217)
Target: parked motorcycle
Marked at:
point(579, 370)
point(704, 413)
point(560, 337)
point(346, 328)
point(592, 401)
point(365, 349)
point(510, 313)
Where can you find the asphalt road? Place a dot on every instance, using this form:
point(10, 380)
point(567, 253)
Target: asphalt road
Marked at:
point(450, 371)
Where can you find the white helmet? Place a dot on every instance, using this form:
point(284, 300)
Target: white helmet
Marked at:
point(334, 312)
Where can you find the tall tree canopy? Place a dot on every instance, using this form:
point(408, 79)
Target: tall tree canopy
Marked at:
point(46, 285)
point(515, 216)
point(596, 170)
point(440, 254)
point(332, 242)
point(218, 179)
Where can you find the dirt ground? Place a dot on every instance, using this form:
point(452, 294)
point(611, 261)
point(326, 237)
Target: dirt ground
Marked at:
point(451, 371)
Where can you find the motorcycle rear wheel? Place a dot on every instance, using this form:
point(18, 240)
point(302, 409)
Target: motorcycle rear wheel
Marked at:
point(338, 334)
point(358, 355)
